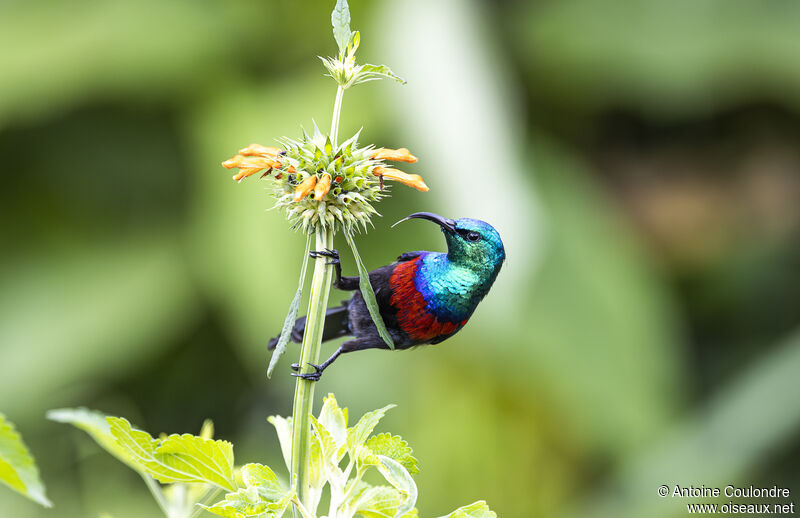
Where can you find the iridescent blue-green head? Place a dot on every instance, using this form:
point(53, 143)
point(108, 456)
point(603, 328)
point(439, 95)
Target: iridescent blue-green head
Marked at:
point(472, 243)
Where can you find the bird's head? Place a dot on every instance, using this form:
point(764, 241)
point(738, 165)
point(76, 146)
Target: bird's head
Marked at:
point(470, 242)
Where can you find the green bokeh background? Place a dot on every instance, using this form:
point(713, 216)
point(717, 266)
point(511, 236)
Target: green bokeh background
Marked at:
point(640, 159)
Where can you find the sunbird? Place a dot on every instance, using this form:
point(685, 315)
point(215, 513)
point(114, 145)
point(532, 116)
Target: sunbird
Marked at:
point(424, 297)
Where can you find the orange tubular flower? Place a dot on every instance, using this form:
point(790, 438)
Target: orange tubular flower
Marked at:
point(412, 180)
point(249, 165)
point(323, 186)
point(303, 190)
point(395, 155)
point(259, 150)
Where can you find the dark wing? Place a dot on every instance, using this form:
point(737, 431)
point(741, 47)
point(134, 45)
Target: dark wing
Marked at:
point(407, 256)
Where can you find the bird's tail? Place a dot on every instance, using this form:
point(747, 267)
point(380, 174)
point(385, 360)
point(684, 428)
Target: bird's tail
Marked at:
point(336, 325)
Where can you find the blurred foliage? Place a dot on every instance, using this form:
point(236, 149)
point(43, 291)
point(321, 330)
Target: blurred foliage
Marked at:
point(642, 332)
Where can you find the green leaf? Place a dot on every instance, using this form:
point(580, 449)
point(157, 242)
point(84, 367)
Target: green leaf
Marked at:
point(316, 461)
point(294, 307)
point(283, 426)
point(328, 448)
point(334, 419)
point(247, 503)
point(368, 293)
point(17, 468)
point(262, 498)
point(264, 480)
point(394, 447)
point(95, 424)
point(366, 73)
point(357, 435)
point(380, 502)
point(178, 458)
point(400, 478)
point(476, 510)
point(340, 19)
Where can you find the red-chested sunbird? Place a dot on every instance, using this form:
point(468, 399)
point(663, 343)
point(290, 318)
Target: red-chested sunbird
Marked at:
point(424, 297)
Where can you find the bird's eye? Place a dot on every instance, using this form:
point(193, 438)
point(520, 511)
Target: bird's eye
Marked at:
point(473, 236)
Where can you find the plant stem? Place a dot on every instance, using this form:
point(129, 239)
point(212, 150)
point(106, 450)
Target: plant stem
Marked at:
point(309, 353)
point(300, 507)
point(155, 489)
point(337, 112)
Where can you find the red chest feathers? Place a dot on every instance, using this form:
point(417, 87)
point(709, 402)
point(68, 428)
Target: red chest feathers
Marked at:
point(413, 315)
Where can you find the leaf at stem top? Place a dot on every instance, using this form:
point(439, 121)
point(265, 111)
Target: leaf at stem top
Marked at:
point(366, 73)
point(17, 468)
point(294, 307)
point(368, 293)
point(177, 458)
point(340, 19)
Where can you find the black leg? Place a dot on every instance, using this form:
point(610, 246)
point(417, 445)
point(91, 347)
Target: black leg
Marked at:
point(359, 344)
point(342, 283)
point(315, 376)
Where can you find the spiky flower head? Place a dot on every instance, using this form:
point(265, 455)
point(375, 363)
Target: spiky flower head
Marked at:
point(318, 184)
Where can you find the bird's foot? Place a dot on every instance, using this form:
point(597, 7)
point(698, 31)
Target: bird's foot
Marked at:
point(310, 376)
point(333, 254)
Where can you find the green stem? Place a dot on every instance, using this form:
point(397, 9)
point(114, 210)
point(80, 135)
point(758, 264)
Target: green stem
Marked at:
point(309, 353)
point(155, 489)
point(337, 112)
point(300, 507)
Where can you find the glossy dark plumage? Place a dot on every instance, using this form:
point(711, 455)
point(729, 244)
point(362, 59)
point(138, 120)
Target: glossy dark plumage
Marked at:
point(424, 297)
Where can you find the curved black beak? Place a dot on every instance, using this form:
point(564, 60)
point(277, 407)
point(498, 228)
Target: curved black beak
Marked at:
point(448, 225)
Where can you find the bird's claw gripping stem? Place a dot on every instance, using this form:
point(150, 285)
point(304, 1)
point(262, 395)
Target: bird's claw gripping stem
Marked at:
point(332, 254)
point(309, 376)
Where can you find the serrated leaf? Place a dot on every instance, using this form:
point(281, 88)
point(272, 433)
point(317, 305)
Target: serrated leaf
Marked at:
point(394, 447)
point(247, 503)
point(17, 468)
point(378, 502)
point(177, 458)
point(294, 308)
point(95, 424)
point(357, 435)
point(316, 462)
point(400, 479)
point(367, 292)
point(478, 509)
point(328, 447)
point(334, 419)
point(364, 73)
point(283, 427)
point(264, 480)
point(340, 19)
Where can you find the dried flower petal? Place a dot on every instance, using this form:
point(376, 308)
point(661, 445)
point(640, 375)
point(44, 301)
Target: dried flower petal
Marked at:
point(303, 190)
point(412, 180)
point(323, 186)
point(395, 155)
